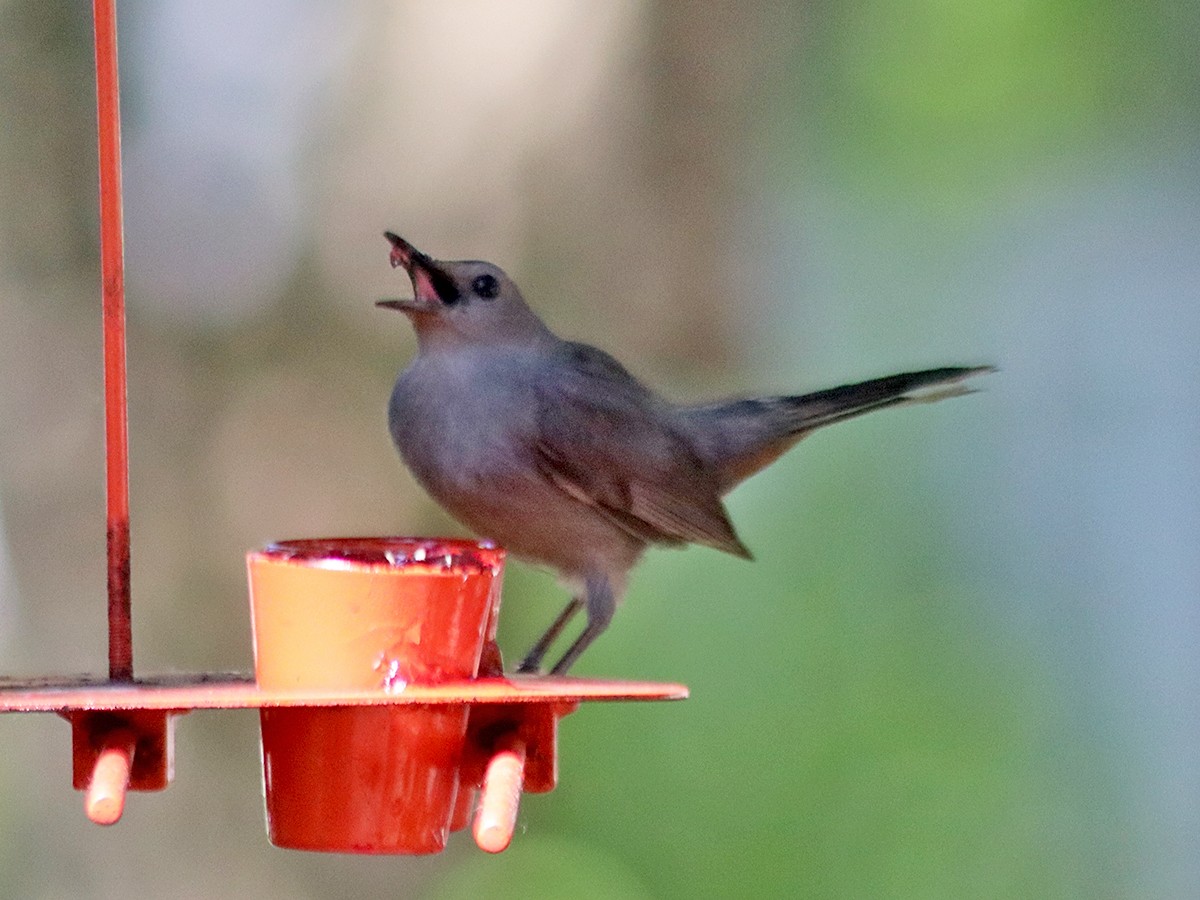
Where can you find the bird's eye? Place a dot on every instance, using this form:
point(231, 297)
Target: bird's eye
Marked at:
point(486, 286)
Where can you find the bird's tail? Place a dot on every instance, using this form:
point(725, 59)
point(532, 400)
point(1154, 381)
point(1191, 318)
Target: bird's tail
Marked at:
point(739, 437)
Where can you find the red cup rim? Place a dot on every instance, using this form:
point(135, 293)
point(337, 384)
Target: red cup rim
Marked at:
point(391, 552)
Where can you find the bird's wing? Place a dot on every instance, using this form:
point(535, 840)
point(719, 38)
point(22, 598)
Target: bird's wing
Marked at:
point(606, 441)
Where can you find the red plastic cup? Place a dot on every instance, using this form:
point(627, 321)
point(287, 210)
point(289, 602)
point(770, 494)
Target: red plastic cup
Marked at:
point(367, 614)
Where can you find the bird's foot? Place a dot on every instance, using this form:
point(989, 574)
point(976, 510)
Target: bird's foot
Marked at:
point(529, 665)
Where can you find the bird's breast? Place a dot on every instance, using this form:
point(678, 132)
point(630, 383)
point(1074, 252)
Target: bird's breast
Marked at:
point(462, 420)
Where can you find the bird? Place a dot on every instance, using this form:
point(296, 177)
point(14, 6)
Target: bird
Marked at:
point(554, 451)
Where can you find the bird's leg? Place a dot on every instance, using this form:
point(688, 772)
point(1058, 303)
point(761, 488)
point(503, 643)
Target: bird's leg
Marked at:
point(532, 663)
point(601, 604)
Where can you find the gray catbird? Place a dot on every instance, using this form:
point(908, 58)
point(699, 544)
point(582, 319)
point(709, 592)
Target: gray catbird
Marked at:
point(552, 449)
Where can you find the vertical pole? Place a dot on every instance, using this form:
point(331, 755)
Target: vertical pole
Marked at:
point(112, 269)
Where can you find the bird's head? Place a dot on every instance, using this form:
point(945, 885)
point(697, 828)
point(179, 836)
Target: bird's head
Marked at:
point(466, 301)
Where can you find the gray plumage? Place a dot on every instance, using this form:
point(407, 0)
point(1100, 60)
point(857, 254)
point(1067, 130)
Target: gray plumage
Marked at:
point(552, 449)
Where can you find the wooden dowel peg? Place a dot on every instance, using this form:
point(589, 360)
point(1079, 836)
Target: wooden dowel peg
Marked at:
point(501, 796)
point(104, 801)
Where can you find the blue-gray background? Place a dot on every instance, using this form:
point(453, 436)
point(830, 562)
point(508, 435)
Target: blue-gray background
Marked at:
point(964, 664)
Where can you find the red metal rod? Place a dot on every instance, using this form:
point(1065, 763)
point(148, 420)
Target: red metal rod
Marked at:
point(112, 270)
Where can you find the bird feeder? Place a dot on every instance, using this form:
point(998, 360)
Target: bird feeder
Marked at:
point(387, 721)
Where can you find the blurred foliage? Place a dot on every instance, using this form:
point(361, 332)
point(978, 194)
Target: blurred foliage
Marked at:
point(947, 104)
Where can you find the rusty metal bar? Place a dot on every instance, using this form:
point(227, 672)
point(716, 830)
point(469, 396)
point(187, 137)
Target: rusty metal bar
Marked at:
point(112, 268)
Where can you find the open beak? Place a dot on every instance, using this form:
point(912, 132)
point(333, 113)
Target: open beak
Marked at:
point(433, 286)
point(405, 254)
point(407, 257)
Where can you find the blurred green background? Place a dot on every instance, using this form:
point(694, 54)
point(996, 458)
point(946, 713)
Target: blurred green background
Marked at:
point(964, 663)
